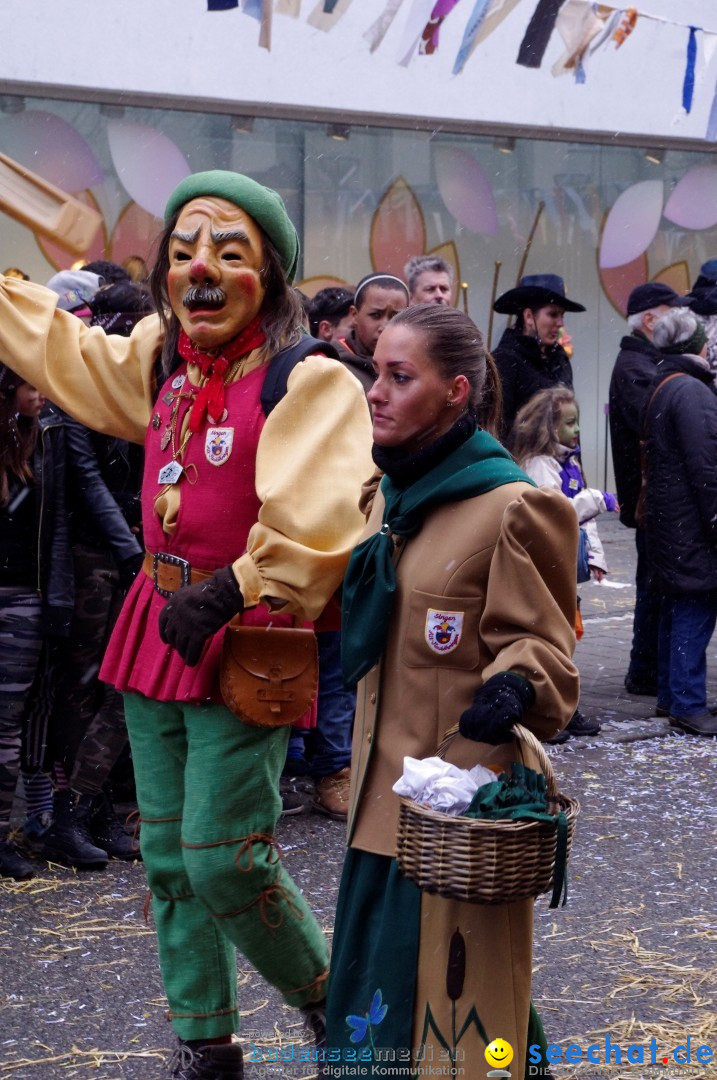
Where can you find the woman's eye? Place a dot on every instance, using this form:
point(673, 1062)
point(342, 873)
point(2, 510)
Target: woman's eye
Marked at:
point(399, 378)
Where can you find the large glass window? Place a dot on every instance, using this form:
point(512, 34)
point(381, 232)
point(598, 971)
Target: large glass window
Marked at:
point(367, 201)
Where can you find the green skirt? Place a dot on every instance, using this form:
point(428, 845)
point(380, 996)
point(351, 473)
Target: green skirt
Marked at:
point(371, 989)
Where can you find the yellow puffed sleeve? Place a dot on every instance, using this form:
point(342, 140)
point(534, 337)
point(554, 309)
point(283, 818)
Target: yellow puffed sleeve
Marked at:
point(104, 381)
point(313, 456)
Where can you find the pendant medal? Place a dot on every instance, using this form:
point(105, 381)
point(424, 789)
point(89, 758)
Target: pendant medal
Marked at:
point(156, 421)
point(166, 439)
point(178, 382)
point(169, 474)
point(168, 398)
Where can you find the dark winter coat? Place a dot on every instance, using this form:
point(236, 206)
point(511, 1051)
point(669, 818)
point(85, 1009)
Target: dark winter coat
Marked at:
point(354, 357)
point(680, 427)
point(524, 370)
point(56, 579)
point(630, 387)
point(104, 479)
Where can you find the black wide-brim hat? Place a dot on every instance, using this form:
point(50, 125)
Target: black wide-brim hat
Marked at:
point(535, 291)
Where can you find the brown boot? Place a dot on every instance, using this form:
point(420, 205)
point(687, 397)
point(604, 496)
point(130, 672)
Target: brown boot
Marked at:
point(332, 794)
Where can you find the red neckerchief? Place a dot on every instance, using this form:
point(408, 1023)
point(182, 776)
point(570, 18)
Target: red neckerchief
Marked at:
point(210, 399)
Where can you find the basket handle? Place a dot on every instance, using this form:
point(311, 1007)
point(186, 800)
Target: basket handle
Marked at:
point(529, 741)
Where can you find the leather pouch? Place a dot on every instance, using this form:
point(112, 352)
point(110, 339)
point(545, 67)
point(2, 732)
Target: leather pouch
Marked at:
point(269, 676)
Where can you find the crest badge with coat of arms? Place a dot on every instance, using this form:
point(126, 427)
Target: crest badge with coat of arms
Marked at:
point(443, 630)
point(218, 444)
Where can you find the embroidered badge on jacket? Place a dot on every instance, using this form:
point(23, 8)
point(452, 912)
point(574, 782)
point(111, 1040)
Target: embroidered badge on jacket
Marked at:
point(443, 630)
point(218, 444)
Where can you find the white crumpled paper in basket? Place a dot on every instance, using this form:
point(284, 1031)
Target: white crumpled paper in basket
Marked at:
point(435, 783)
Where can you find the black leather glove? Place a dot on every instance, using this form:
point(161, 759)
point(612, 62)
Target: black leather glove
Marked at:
point(128, 569)
point(195, 612)
point(498, 704)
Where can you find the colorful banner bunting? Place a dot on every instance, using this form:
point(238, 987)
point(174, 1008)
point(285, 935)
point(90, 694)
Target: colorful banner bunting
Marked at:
point(418, 16)
point(323, 19)
point(378, 30)
point(430, 36)
point(470, 34)
point(538, 34)
point(688, 88)
point(292, 8)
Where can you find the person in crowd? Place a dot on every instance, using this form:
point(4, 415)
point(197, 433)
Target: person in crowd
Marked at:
point(330, 314)
point(36, 581)
point(377, 299)
point(630, 387)
point(86, 716)
point(109, 272)
point(702, 299)
point(546, 444)
point(680, 508)
point(429, 279)
point(249, 514)
point(137, 269)
point(75, 289)
point(529, 355)
point(458, 609)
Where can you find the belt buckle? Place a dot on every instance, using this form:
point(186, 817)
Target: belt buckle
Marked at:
point(170, 560)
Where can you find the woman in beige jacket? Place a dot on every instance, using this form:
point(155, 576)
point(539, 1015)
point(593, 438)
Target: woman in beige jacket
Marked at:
point(459, 608)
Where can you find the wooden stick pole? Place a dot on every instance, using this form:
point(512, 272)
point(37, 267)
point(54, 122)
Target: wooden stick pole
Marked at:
point(529, 243)
point(493, 294)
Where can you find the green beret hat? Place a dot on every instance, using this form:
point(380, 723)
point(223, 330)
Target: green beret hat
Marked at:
point(263, 204)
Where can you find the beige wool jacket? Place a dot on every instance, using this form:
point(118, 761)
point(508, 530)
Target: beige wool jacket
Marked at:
point(314, 450)
point(499, 570)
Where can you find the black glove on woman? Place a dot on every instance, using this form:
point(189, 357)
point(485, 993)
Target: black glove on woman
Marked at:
point(195, 612)
point(498, 704)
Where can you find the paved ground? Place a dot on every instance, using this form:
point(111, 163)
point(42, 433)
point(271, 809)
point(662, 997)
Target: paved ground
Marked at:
point(633, 954)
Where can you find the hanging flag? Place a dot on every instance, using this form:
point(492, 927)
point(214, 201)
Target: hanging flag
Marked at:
point(711, 133)
point(626, 27)
point(378, 30)
point(418, 16)
point(538, 34)
point(496, 12)
point(688, 88)
point(429, 38)
point(221, 5)
point(323, 19)
point(252, 8)
point(292, 8)
point(577, 23)
point(470, 33)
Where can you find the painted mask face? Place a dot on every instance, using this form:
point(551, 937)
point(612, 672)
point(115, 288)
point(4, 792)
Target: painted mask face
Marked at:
point(378, 307)
point(432, 287)
point(569, 428)
point(409, 399)
point(214, 279)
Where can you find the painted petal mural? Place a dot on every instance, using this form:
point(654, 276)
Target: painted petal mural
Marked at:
point(148, 163)
point(693, 203)
point(631, 224)
point(48, 145)
point(466, 191)
point(397, 230)
point(619, 281)
point(134, 233)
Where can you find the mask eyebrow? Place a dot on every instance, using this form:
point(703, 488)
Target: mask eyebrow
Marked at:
point(185, 238)
point(231, 235)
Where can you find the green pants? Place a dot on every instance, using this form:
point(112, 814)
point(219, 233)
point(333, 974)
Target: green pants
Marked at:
point(208, 794)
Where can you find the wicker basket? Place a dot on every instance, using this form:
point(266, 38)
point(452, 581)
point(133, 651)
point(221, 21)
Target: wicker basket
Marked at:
point(479, 860)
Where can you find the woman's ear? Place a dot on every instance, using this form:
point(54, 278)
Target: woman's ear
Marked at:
point(460, 392)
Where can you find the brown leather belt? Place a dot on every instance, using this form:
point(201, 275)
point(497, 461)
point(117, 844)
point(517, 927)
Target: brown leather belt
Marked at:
point(169, 572)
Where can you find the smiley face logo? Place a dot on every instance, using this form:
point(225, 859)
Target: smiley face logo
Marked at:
point(499, 1053)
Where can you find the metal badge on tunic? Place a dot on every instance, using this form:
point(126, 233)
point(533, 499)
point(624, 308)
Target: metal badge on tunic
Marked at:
point(218, 444)
point(443, 630)
point(178, 382)
point(169, 474)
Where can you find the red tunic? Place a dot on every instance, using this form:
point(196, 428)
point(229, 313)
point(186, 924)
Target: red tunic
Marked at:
point(218, 507)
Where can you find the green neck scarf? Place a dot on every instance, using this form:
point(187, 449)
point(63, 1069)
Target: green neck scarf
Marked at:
point(476, 466)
